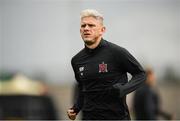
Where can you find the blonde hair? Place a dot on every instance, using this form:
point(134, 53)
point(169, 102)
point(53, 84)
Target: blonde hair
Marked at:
point(92, 13)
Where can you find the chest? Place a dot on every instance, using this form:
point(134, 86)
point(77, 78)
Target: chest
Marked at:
point(97, 65)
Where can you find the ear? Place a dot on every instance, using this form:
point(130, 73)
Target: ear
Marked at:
point(103, 30)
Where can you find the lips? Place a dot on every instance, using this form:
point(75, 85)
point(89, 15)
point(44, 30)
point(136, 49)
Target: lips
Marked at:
point(86, 34)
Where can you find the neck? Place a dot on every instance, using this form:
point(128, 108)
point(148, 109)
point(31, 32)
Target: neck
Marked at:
point(94, 45)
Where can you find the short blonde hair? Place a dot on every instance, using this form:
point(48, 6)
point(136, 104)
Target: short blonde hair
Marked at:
point(92, 13)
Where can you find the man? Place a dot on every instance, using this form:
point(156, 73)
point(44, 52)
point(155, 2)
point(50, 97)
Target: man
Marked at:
point(101, 72)
point(146, 100)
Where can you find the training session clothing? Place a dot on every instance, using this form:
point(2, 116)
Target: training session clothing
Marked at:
point(101, 74)
point(103, 115)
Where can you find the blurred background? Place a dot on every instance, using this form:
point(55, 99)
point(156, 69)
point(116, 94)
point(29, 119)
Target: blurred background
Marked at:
point(38, 38)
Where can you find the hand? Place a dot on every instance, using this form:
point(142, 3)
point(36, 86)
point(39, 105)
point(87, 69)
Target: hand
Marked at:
point(71, 114)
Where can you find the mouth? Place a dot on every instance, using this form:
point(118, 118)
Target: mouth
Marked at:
point(87, 34)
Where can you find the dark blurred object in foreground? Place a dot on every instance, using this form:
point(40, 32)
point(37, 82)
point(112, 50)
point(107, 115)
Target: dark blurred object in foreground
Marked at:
point(24, 99)
point(26, 107)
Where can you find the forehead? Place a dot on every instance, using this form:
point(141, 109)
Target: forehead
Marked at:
point(89, 20)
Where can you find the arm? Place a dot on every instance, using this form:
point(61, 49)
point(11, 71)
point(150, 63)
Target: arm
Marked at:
point(72, 112)
point(129, 64)
point(80, 98)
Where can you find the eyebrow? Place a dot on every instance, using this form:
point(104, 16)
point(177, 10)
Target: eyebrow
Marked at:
point(91, 25)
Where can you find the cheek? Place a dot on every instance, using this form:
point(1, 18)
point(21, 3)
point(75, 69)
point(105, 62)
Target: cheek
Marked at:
point(96, 31)
point(100, 32)
point(81, 31)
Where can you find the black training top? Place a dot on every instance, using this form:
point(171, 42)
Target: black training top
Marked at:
point(102, 77)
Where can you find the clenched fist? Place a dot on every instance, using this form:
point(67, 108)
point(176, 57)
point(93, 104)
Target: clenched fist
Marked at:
point(71, 114)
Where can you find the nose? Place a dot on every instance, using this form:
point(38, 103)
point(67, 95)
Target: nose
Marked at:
point(86, 27)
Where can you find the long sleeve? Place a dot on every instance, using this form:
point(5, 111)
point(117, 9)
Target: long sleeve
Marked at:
point(79, 98)
point(131, 65)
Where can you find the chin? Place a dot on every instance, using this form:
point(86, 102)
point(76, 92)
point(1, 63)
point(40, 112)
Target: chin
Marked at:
point(88, 42)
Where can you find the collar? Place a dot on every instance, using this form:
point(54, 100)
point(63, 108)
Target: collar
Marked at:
point(101, 44)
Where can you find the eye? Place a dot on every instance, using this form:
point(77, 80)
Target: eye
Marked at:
point(91, 25)
point(83, 25)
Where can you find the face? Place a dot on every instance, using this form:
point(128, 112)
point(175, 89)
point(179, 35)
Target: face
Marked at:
point(151, 79)
point(91, 30)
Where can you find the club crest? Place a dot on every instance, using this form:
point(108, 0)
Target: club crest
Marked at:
point(103, 67)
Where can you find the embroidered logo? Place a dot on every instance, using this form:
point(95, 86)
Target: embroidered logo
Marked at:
point(103, 67)
point(81, 69)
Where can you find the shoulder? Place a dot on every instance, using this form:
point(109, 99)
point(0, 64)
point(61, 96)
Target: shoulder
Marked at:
point(114, 48)
point(78, 55)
